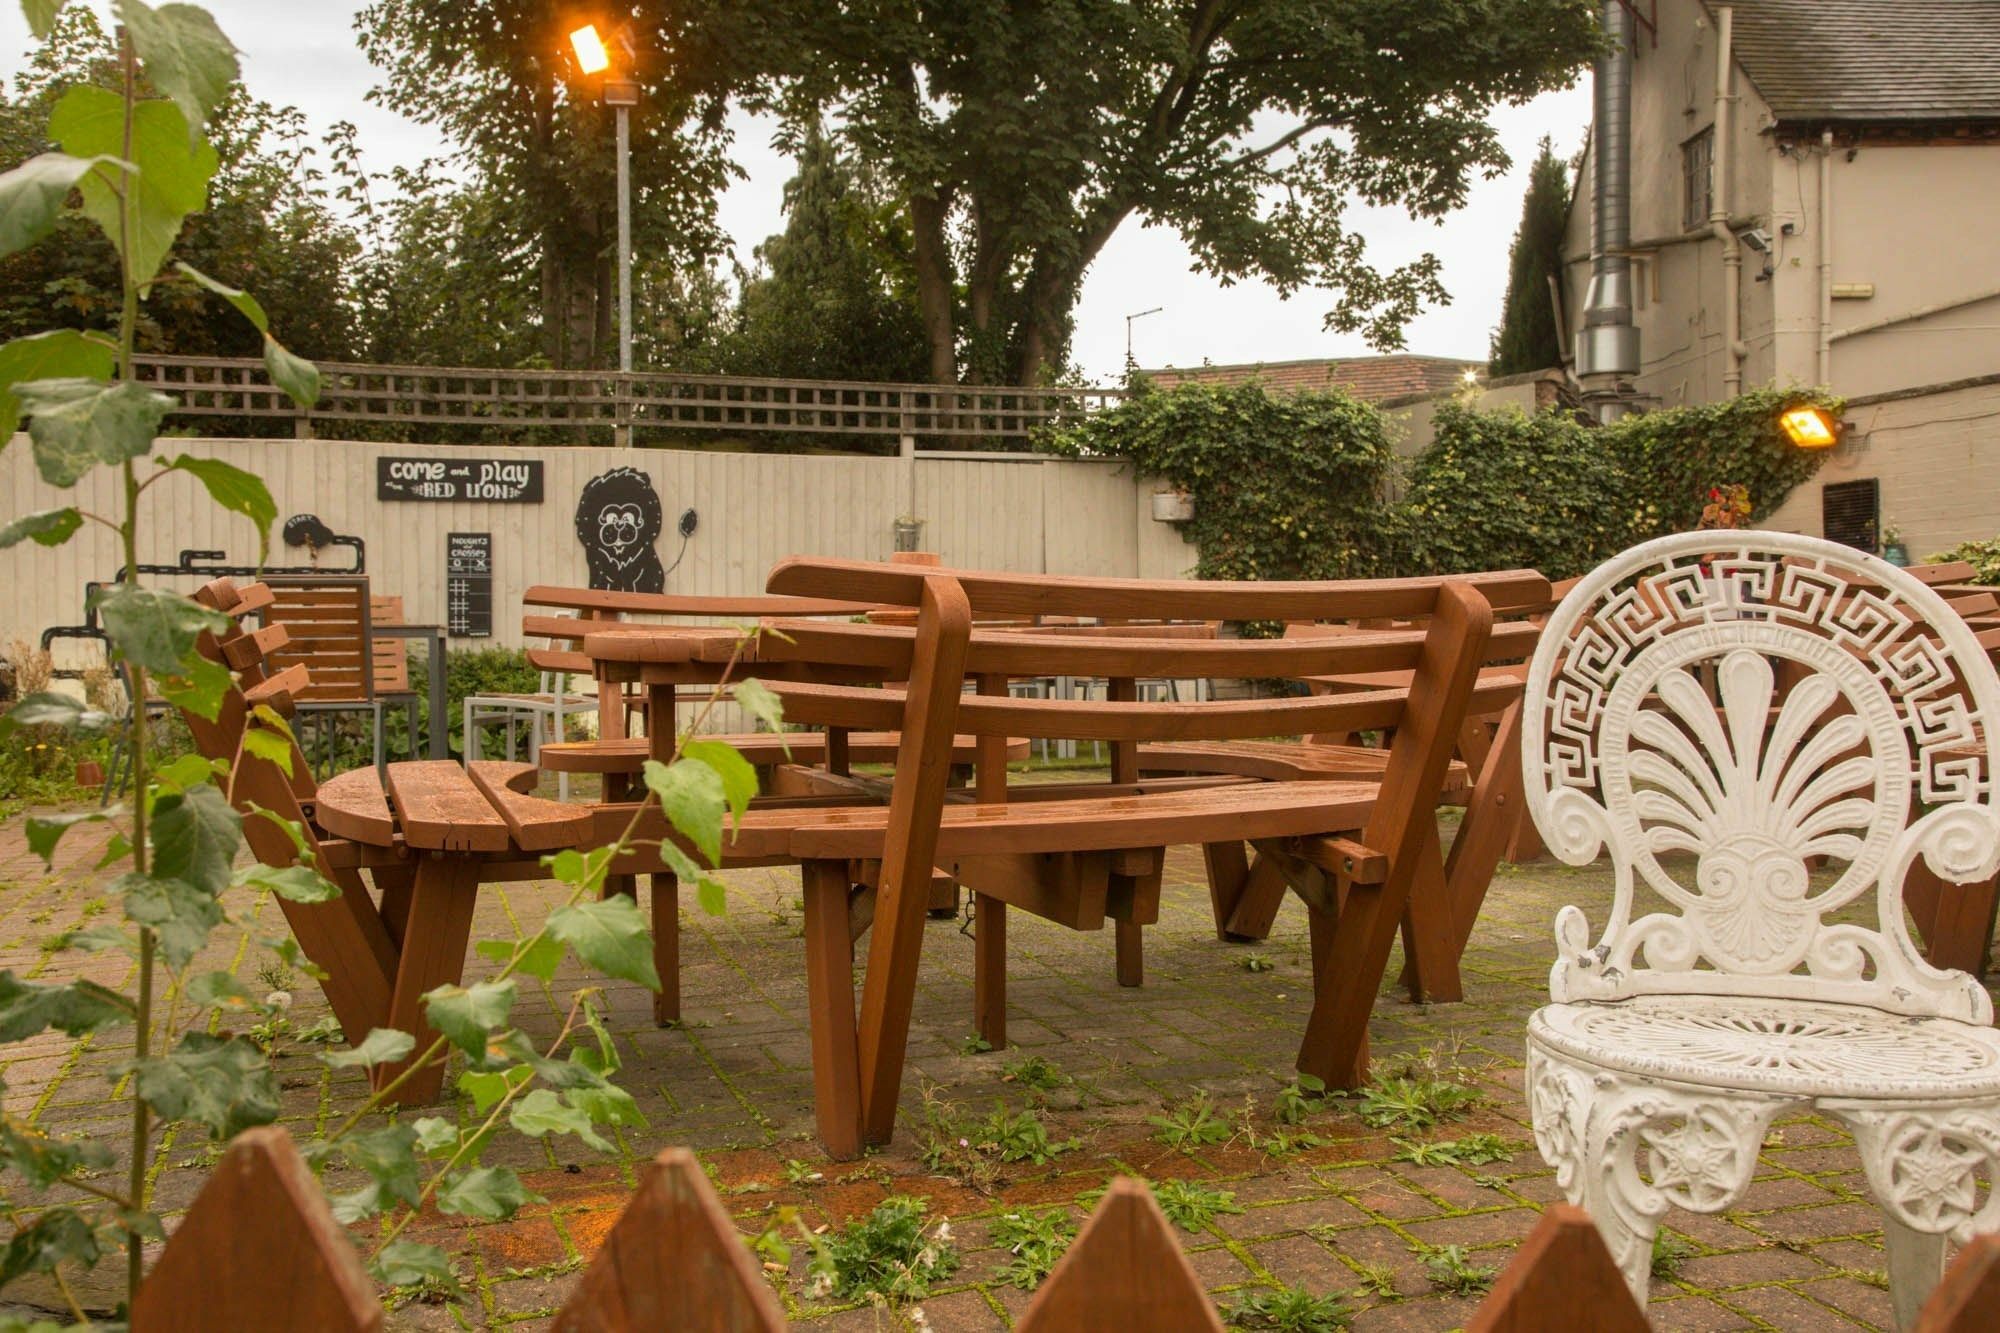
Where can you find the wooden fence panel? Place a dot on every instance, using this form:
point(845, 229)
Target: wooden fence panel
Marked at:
point(259, 1250)
point(1124, 1271)
point(1561, 1278)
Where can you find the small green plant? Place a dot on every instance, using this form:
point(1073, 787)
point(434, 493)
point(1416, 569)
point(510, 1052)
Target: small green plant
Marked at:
point(801, 1173)
point(1449, 1270)
point(890, 1255)
point(1034, 1072)
point(1377, 1279)
point(974, 1044)
point(1020, 1137)
point(1190, 1126)
point(1472, 1150)
point(1669, 1253)
point(1191, 1205)
point(1257, 962)
point(1291, 1310)
point(1413, 1101)
point(1035, 1239)
point(1299, 1098)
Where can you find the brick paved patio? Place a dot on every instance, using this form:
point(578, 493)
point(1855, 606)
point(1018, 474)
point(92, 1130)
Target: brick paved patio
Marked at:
point(734, 1084)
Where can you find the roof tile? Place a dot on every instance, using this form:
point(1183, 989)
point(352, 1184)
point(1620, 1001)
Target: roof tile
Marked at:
point(1872, 60)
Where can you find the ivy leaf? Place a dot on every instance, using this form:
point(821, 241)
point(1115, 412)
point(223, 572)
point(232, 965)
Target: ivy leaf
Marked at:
point(541, 959)
point(43, 1160)
point(195, 836)
point(48, 527)
point(435, 1134)
point(32, 196)
point(739, 775)
point(221, 1083)
point(607, 1104)
point(756, 698)
point(75, 424)
point(691, 795)
point(491, 1193)
point(487, 1086)
point(581, 870)
point(388, 1156)
point(221, 990)
point(57, 354)
point(298, 377)
point(72, 1008)
point(58, 1236)
point(406, 1263)
point(185, 54)
point(179, 913)
point(469, 1015)
point(45, 831)
point(235, 490)
point(199, 686)
point(41, 16)
point(541, 1113)
point(46, 708)
point(269, 746)
point(611, 936)
point(298, 884)
point(189, 771)
point(90, 121)
point(153, 627)
point(382, 1046)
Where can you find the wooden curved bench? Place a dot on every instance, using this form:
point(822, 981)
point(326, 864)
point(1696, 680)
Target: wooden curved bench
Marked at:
point(764, 749)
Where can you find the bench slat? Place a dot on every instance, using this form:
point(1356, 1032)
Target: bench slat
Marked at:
point(1282, 761)
point(760, 748)
point(536, 825)
point(287, 684)
point(441, 810)
point(679, 604)
point(352, 805)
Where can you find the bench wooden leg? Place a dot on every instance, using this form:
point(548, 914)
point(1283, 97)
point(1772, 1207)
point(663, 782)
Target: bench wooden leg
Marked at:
point(666, 895)
point(1324, 929)
point(396, 884)
point(349, 941)
point(989, 969)
point(1130, 943)
point(445, 891)
point(1244, 892)
point(1954, 920)
point(944, 895)
point(1491, 815)
point(1430, 939)
point(830, 1008)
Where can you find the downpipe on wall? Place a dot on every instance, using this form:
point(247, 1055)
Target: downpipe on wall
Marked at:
point(1607, 339)
point(1718, 210)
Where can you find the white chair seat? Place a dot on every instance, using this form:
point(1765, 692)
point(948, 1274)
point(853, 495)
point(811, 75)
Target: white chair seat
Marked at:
point(1784, 1047)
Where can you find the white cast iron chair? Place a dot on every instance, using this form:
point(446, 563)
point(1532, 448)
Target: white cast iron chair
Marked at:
point(1732, 980)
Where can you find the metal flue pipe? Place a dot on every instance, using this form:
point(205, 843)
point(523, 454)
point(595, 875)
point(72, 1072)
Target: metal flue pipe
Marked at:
point(1607, 344)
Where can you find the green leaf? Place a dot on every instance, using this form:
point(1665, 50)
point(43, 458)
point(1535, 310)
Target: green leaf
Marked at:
point(57, 354)
point(246, 304)
point(382, 1046)
point(41, 16)
point(691, 795)
point(195, 837)
point(43, 1160)
point(435, 1134)
point(47, 708)
point(199, 687)
point(58, 1236)
point(48, 527)
point(298, 377)
point(298, 884)
point(607, 1104)
point(32, 197)
point(75, 424)
point(739, 775)
point(406, 1263)
point(188, 771)
point(45, 831)
point(470, 1015)
point(89, 121)
point(237, 491)
point(153, 627)
point(611, 936)
point(181, 914)
point(541, 959)
point(221, 1083)
point(711, 896)
point(582, 870)
point(388, 1157)
point(541, 1112)
point(221, 990)
point(185, 55)
point(756, 697)
point(487, 1086)
point(105, 937)
point(73, 1008)
point(492, 1193)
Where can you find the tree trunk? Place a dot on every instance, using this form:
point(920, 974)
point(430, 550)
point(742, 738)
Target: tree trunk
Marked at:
point(932, 259)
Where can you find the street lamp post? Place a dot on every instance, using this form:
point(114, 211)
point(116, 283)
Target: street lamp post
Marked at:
point(621, 95)
point(1130, 364)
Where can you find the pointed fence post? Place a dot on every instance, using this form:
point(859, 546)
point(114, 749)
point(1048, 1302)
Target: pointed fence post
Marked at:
point(259, 1250)
point(1124, 1270)
point(1967, 1300)
point(1562, 1278)
point(674, 1260)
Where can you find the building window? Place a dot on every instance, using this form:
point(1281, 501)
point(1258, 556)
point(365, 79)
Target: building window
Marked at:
point(1697, 179)
point(1850, 512)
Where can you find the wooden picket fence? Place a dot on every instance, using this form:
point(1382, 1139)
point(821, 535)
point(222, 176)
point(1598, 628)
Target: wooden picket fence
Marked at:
point(259, 1250)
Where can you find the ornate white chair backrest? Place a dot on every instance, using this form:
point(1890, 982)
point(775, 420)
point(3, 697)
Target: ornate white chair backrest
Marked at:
point(1657, 727)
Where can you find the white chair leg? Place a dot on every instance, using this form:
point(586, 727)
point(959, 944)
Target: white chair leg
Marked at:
point(1916, 1262)
point(469, 750)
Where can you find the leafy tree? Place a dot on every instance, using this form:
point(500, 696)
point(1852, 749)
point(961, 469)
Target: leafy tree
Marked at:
point(498, 78)
point(1018, 138)
point(833, 298)
point(1528, 338)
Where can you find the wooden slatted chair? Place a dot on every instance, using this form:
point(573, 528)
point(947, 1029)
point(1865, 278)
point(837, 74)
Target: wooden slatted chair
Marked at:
point(1349, 848)
point(329, 623)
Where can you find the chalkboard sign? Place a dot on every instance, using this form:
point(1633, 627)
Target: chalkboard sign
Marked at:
point(494, 480)
point(468, 585)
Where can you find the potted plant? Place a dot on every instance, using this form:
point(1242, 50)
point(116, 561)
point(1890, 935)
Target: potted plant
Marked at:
point(1174, 506)
point(1893, 549)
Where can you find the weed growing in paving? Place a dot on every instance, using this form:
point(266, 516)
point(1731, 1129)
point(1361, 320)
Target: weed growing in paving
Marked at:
point(1034, 1072)
point(800, 1173)
point(889, 1255)
point(1376, 1279)
point(1190, 1126)
point(1449, 1270)
point(1299, 1098)
point(1021, 1137)
point(1257, 962)
point(1191, 1206)
point(1472, 1150)
point(1413, 1100)
point(1669, 1253)
point(971, 1150)
point(974, 1044)
point(1036, 1238)
point(1291, 1310)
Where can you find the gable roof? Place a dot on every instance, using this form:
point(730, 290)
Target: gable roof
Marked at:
point(1872, 61)
point(1369, 378)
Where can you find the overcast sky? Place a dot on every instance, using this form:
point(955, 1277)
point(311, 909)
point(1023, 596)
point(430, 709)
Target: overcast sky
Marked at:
point(303, 52)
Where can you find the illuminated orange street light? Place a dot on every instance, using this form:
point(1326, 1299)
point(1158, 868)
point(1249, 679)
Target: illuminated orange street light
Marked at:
point(1810, 428)
point(591, 57)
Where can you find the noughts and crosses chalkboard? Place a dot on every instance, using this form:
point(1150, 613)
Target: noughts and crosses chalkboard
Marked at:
point(495, 480)
point(468, 585)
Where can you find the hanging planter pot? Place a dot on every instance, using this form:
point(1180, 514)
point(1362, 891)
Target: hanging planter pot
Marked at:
point(1175, 506)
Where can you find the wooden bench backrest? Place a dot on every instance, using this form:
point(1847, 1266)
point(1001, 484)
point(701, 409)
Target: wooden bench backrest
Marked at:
point(391, 658)
point(581, 610)
point(329, 623)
